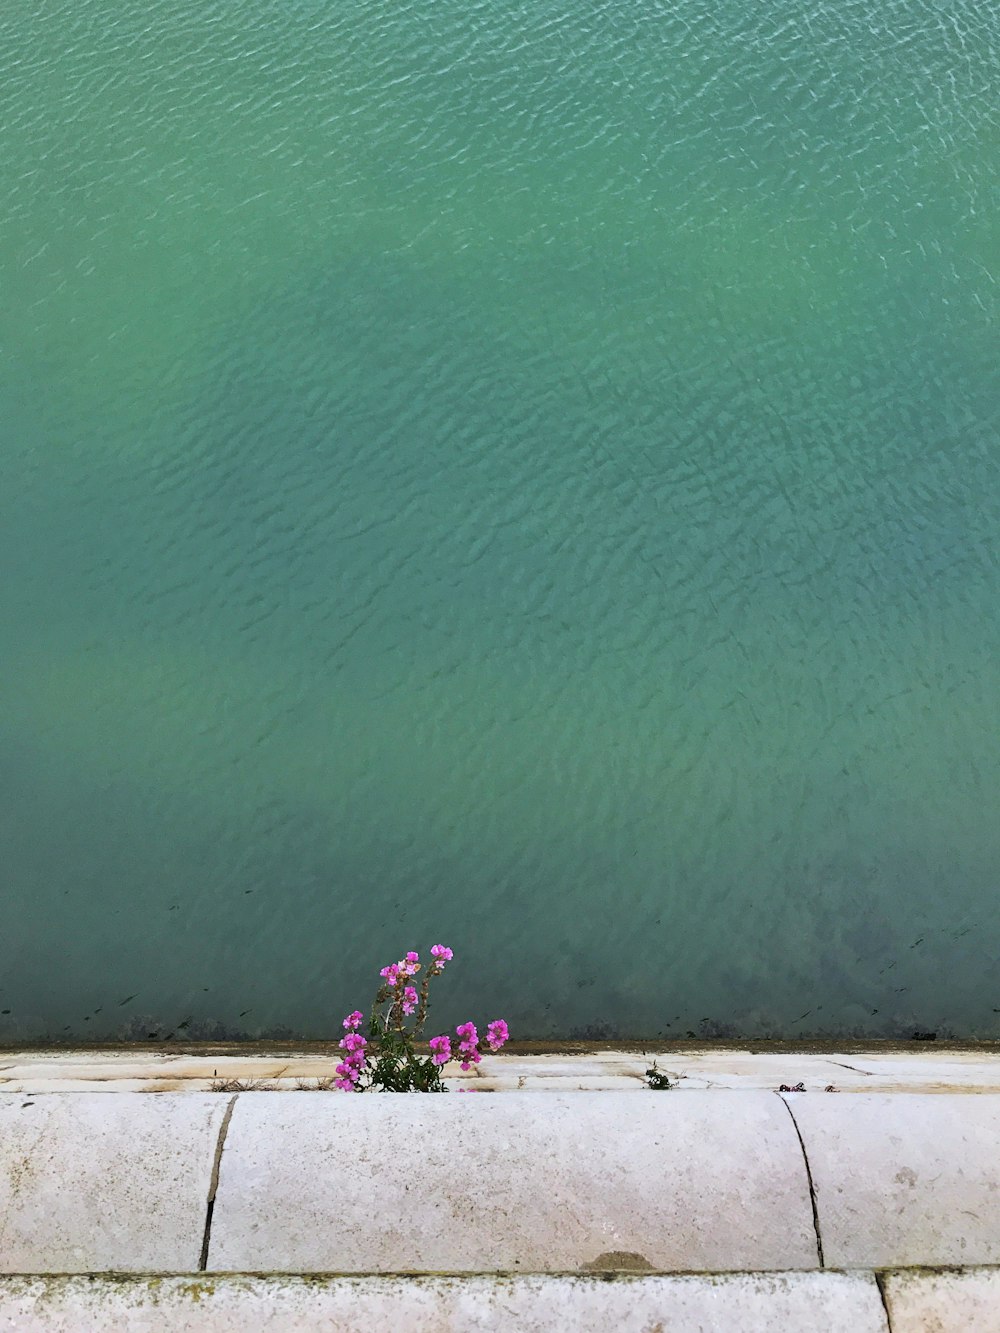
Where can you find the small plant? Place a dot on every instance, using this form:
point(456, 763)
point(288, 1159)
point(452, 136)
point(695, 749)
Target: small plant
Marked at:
point(801, 1087)
point(657, 1079)
point(242, 1085)
point(387, 1060)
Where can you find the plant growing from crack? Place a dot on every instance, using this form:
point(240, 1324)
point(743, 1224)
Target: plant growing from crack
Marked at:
point(657, 1080)
point(387, 1059)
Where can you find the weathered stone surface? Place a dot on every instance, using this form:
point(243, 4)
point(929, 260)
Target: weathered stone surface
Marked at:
point(944, 1302)
point(704, 1182)
point(904, 1181)
point(936, 1069)
point(750, 1303)
point(91, 1183)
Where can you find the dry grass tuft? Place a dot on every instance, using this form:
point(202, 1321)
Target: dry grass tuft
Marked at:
point(242, 1085)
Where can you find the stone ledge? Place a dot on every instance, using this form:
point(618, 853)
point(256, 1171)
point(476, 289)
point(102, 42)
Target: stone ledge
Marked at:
point(936, 1069)
point(749, 1302)
point(904, 1181)
point(92, 1184)
point(601, 1181)
point(466, 1184)
point(954, 1302)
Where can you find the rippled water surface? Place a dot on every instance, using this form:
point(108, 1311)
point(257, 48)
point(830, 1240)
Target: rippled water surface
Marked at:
point(520, 474)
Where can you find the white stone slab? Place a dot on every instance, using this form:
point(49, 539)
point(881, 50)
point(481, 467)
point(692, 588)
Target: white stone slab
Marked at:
point(944, 1302)
point(904, 1181)
point(92, 1183)
point(395, 1183)
point(750, 1303)
point(930, 1069)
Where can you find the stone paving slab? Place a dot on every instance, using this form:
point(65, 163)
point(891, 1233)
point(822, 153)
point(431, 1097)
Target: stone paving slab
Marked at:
point(928, 1070)
point(965, 1302)
point(907, 1181)
point(93, 1184)
point(396, 1183)
point(750, 1303)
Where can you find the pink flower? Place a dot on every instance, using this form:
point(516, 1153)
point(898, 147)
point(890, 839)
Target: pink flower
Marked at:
point(354, 1046)
point(441, 955)
point(410, 998)
point(410, 965)
point(394, 973)
point(349, 1070)
point(441, 1046)
point(468, 1047)
point(497, 1034)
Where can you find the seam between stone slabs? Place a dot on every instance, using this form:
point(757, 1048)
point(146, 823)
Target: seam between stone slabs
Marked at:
point(213, 1184)
point(809, 1177)
point(880, 1283)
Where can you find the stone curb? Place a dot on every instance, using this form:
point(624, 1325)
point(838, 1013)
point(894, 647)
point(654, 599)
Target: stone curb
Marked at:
point(904, 1181)
point(966, 1301)
point(466, 1184)
point(92, 1184)
point(318, 1182)
point(749, 1302)
point(953, 1302)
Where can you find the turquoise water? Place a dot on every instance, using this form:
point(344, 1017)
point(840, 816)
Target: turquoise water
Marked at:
point(523, 475)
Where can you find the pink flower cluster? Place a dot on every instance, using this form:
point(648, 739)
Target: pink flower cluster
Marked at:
point(397, 988)
point(497, 1035)
point(352, 1066)
point(441, 1046)
point(396, 974)
point(468, 1047)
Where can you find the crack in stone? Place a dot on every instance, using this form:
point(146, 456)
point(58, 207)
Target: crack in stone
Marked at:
point(880, 1283)
point(840, 1065)
point(812, 1188)
point(213, 1184)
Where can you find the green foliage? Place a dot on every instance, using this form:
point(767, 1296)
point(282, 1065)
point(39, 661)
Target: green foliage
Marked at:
point(396, 1067)
point(657, 1080)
